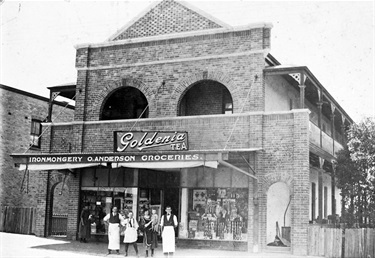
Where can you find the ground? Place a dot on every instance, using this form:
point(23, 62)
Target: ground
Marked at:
point(17, 246)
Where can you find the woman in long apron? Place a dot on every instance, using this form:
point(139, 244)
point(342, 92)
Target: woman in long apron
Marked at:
point(114, 221)
point(168, 224)
point(131, 233)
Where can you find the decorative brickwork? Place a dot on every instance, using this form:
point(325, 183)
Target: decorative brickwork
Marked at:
point(166, 18)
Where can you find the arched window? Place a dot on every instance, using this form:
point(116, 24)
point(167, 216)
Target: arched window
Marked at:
point(125, 103)
point(206, 98)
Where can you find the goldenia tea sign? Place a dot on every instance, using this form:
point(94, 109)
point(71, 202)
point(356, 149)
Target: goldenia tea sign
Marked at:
point(150, 141)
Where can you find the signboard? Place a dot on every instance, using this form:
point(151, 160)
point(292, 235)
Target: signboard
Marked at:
point(136, 141)
point(113, 158)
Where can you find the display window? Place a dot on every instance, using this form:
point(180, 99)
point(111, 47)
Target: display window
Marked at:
point(217, 214)
point(101, 200)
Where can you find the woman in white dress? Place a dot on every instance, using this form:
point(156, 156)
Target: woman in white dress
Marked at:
point(131, 234)
point(114, 221)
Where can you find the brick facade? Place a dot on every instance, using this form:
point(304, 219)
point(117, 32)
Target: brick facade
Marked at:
point(172, 50)
point(164, 70)
point(18, 108)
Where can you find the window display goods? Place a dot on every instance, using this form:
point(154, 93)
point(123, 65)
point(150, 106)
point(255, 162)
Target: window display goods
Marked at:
point(218, 214)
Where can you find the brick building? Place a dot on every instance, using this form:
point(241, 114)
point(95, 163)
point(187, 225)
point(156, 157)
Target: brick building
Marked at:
point(178, 108)
point(21, 116)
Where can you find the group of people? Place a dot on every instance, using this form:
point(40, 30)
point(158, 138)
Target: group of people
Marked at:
point(149, 224)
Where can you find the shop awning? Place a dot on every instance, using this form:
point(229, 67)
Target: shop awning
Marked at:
point(56, 166)
point(175, 165)
point(159, 160)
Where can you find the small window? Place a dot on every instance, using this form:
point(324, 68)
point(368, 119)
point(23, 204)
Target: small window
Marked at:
point(36, 130)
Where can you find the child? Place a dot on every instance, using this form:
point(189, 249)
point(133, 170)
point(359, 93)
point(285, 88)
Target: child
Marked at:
point(155, 220)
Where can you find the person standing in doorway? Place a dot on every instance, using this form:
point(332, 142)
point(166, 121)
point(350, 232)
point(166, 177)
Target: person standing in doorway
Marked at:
point(114, 221)
point(168, 224)
point(84, 225)
point(150, 240)
point(131, 234)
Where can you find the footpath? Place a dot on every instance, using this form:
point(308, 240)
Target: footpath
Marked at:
point(27, 246)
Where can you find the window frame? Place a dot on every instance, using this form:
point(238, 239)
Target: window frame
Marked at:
point(34, 135)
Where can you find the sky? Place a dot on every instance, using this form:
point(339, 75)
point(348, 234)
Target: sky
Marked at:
point(334, 39)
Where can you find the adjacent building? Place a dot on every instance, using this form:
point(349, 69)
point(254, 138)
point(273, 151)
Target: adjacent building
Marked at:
point(22, 114)
point(180, 109)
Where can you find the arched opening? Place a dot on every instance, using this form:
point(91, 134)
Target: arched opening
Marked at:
point(125, 103)
point(278, 210)
point(206, 98)
point(59, 209)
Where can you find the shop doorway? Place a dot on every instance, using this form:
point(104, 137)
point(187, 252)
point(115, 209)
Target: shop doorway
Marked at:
point(159, 199)
point(159, 189)
point(172, 198)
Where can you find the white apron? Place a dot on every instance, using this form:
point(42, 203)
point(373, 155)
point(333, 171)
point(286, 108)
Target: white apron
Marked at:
point(130, 235)
point(168, 239)
point(114, 236)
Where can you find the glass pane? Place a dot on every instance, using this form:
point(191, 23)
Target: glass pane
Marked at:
point(100, 202)
point(116, 177)
point(239, 179)
point(102, 176)
point(222, 177)
point(88, 177)
point(34, 140)
point(128, 176)
point(218, 213)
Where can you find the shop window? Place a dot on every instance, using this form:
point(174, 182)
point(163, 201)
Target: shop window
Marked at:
point(35, 133)
point(88, 177)
point(116, 177)
point(208, 177)
point(101, 200)
point(158, 179)
point(206, 98)
point(217, 214)
point(125, 103)
point(103, 177)
point(240, 180)
point(223, 178)
point(205, 177)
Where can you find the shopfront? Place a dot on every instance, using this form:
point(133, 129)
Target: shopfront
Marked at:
point(211, 204)
point(209, 198)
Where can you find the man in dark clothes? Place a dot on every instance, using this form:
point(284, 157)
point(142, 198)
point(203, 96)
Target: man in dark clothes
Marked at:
point(84, 225)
